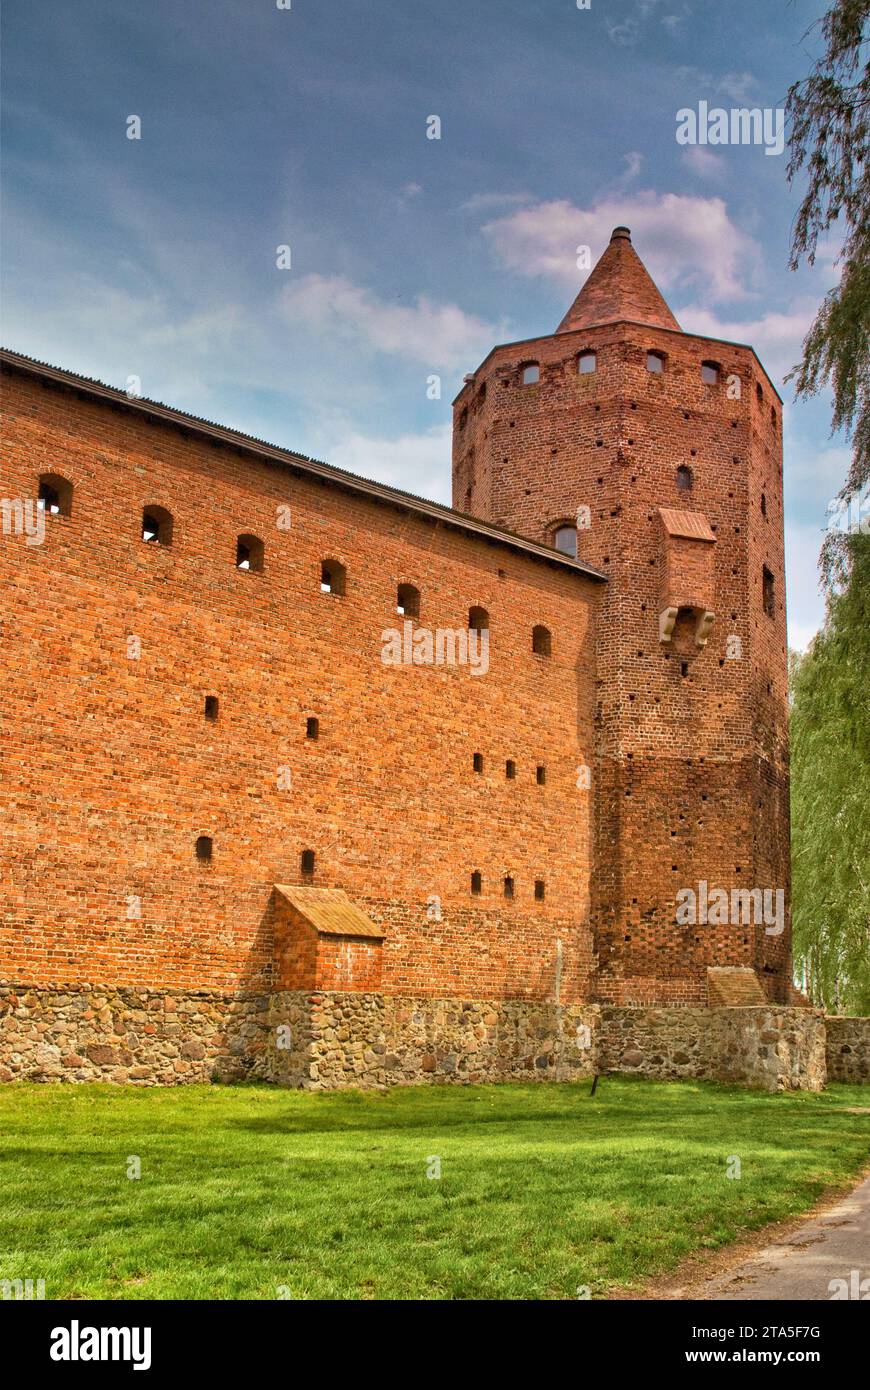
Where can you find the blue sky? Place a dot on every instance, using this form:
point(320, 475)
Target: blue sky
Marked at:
point(306, 127)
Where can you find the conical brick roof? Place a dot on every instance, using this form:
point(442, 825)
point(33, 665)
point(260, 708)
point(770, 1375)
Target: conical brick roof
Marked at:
point(619, 288)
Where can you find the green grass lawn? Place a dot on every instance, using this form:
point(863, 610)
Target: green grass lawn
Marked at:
point(542, 1189)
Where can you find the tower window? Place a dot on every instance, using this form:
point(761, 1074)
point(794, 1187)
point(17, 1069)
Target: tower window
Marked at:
point(510, 769)
point(540, 890)
point(476, 883)
point(55, 495)
point(768, 594)
point(478, 620)
point(204, 848)
point(531, 373)
point(759, 394)
point(463, 418)
point(763, 505)
point(684, 478)
point(565, 539)
point(408, 601)
point(542, 641)
point(710, 373)
point(508, 887)
point(655, 362)
point(587, 362)
point(312, 727)
point(333, 577)
point(211, 707)
point(477, 762)
point(249, 553)
point(540, 775)
point(306, 863)
point(157, 526)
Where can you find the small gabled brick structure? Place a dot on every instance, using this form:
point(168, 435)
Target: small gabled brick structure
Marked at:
point(324, 941)
point(733, 986)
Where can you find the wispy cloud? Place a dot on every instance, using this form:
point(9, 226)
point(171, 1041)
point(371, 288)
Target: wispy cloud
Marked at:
point(685, 240)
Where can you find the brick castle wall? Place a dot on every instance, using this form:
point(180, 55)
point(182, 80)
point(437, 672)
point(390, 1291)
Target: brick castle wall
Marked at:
point(112, 772)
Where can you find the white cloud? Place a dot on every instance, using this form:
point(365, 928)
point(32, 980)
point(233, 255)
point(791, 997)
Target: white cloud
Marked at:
point(418, 463)
point(681, 239)
point(703, 162)
point(805, 603)
point(442, 336)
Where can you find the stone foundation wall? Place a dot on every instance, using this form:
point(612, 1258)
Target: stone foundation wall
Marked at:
point(335, 1040)
point(325, 1040)
point(848, 1049)
point(147, 1037)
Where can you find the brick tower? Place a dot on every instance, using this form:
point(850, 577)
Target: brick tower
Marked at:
point(658, 455)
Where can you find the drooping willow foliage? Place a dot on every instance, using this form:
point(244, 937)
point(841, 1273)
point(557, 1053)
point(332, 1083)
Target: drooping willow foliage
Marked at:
point(830, 787)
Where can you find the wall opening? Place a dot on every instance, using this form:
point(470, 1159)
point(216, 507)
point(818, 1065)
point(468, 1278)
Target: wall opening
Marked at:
point(211, 706)
point(249, 554)
point(587, 362)
point(540, 890)
point(531, 373)
point(565, 540)
point(655, 362)
point(684, 478)
point(768, 592)
point(478, 620)
point(54, 495)
point(542, 641)
point(204, 848)
point(312, 727)
point(306, 863)
point(510, 769)
point(408, 601)
point(478, 762)
point(157, 526)
point(333, 578)
point(476, 883)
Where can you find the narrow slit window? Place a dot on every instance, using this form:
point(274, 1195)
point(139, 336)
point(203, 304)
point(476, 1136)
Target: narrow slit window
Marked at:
point(510, 769)
point(312, 727)
point(478, 762)
point(54, 495)
point(540, 890)
point(508, 887)
point(476, 883)
point(408, 601)
point(211, 707)
point(204, 848)
point(306, 863)
point(768, 592)
point(541, 775)
point(249, 554)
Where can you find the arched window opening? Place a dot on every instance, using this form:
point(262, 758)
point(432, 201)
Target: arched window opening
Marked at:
point(542, 641)
point(531, 373)
point(204, 848)
point(157, 526)
point(684, 478)
point(478, 620)
point(408, 601)
point(565, 539)
point(333, 577)
point(55, 495)
point(587, 362)
point(249, 553)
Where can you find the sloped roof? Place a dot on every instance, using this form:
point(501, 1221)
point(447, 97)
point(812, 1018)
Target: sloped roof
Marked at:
point(619, 289)
point(694, 526)
point(330, 911)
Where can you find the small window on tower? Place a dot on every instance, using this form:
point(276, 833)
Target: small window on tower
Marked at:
point(768, 597)
point(542, 641)
point(587, 362)
point(204, 848)
point(540, 775)
point(710, 373)
point(312, 727)
point(565, 540)
point(476, 882)
point(306, 863)
point(531, 373)
point(540, 890)
point(508, 887)
point(477, 762)
point(655, 362)
point(211, 707)
point(684, 478)
point(510, 769)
